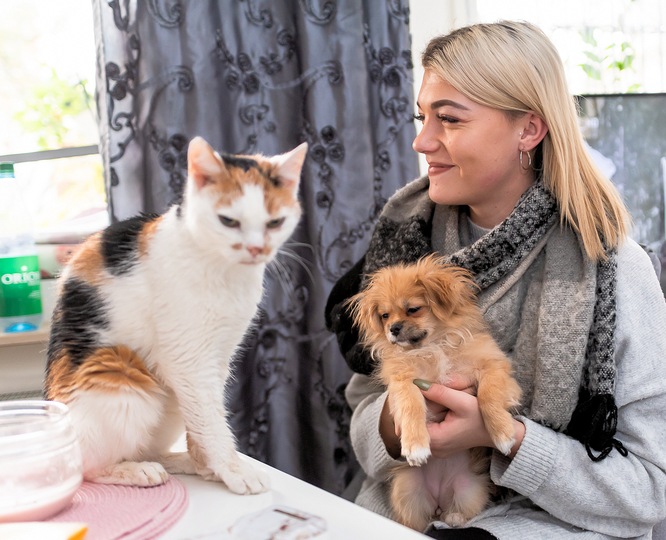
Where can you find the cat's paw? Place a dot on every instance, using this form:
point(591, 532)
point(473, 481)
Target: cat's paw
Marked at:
point(130, 473)
point(242, 478)
point(150, 474)
point(416, 455)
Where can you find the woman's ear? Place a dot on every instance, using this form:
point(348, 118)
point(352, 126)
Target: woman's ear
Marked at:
point(532, 130)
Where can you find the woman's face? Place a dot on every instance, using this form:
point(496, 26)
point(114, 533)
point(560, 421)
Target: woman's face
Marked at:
point(472, 152)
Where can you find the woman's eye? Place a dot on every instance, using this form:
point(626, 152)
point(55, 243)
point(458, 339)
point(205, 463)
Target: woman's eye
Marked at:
point(228, 222)
point(275, 223)
point(441, 118)
point(413, 310)
point(384, 315)
point(447, 119)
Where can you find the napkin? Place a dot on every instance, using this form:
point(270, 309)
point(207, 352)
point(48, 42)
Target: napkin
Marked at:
point(53, 531)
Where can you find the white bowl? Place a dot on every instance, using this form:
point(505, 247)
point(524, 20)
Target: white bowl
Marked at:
point(40, 460)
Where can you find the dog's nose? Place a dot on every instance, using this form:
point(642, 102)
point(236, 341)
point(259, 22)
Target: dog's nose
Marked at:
point(395, 328)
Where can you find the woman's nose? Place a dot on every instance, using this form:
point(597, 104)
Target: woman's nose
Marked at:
point(425, 143)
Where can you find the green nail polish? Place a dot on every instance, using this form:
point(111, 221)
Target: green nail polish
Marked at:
point(423, 385)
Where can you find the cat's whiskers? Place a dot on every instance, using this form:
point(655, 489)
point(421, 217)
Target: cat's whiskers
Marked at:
point(283, 275)
point(298, 244)
point(277, 268)
point(284, 250)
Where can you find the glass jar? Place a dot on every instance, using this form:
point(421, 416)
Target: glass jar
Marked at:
point(40, 460)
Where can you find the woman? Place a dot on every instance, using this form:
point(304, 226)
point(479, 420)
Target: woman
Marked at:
point(512, 195)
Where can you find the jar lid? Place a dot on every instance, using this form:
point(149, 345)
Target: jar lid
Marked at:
point(6, 168)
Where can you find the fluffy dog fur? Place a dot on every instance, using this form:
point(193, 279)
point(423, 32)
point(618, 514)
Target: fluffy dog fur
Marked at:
point(421, 321)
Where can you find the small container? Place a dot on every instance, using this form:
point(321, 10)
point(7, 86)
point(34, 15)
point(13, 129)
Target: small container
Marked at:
point(20, 292)
point(40, 460)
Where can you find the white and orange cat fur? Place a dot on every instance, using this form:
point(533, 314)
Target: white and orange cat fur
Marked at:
point(421, 321)
point(150, 313)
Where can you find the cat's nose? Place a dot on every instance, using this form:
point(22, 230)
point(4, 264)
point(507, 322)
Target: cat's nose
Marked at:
point(395, 328)
point(254, 250)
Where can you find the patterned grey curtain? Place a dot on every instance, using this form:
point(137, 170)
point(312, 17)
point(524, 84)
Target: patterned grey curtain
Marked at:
point(263, 76)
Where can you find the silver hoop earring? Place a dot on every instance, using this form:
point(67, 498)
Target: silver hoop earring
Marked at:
point(529, 161)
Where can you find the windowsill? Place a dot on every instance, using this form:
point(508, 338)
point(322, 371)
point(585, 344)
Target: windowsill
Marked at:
point(41, 335)
point(26, 338)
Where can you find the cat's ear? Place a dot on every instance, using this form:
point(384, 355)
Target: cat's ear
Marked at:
point(203, 162)
point(288, 166)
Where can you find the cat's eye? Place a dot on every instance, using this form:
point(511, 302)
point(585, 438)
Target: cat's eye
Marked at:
point(413, 310)
point(275, 223)
point(385, 315)
point(228, 222)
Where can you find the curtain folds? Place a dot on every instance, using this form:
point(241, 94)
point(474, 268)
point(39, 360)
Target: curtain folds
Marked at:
point(263, 76)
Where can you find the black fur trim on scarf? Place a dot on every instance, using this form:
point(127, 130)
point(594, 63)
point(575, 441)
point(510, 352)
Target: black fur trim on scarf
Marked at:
point(339, 322)
point(594, 423)
point(393, 242)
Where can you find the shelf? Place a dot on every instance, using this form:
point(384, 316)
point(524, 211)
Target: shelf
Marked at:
point(26, 338)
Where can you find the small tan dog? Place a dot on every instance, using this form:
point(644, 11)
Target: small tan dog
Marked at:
point(421, 321)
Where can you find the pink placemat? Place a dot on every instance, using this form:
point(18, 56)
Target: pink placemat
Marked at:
point(126, 512)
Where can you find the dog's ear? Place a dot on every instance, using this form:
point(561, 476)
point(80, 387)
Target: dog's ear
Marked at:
point(364, 312)
point(448, 288)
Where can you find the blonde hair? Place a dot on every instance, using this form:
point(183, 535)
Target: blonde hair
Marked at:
point(514, 67)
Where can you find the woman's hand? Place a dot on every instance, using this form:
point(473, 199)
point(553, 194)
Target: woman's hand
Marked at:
point(462, 426)
point(437, 412)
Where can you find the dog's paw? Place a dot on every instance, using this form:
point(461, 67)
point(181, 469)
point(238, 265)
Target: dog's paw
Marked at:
point(505, 446)
point(502, 430)
point(455, 519)
point(415, 455)
point(243, 479)
point(513, 395)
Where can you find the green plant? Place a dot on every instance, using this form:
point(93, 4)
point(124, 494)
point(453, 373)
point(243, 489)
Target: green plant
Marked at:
point(51, 107)
point(609, 56)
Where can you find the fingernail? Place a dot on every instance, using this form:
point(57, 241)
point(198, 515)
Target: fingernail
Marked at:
point(423, 385)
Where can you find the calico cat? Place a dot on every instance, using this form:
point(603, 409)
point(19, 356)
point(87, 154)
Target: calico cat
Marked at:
point(150, 312)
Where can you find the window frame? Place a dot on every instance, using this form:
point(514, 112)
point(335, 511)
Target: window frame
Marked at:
point(44, 155)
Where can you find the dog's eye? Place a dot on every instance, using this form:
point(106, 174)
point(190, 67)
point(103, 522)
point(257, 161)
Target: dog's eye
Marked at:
point(413, 310)
point(385, 315)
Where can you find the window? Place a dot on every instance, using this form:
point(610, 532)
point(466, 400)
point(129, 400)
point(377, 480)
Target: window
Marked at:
point(607, 46)
point(47, 115)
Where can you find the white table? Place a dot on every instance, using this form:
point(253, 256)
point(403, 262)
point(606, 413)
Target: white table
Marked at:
point(213, 508)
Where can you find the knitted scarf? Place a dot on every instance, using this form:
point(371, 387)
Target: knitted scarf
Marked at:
point(576, 329)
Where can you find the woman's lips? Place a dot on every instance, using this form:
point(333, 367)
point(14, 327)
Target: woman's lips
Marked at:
point(438, 168)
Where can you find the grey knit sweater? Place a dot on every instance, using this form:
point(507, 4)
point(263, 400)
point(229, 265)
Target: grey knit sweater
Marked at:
point(560, 492)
